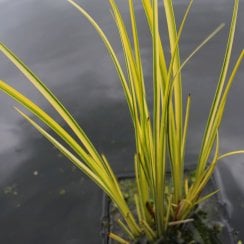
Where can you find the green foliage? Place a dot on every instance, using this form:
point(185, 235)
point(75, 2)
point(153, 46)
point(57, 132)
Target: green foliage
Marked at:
point(159, 137)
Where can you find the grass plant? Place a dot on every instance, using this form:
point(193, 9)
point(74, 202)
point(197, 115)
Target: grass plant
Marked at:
point(160, 136)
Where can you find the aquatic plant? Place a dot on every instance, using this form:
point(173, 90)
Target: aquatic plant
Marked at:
point(160, 137)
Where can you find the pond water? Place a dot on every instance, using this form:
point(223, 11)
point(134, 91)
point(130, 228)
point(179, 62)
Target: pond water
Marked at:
point(43, 198)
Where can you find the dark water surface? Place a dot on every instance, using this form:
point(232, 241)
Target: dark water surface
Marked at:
point(43, 198)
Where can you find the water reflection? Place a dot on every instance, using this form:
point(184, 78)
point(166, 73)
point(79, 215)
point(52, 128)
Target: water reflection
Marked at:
point(43, 198)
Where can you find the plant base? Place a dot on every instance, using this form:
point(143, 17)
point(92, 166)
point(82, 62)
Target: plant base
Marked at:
point(210, 224)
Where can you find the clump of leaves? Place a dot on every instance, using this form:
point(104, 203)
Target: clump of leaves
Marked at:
point(159, 136)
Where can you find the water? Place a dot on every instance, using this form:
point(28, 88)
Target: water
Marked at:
point(43, 198)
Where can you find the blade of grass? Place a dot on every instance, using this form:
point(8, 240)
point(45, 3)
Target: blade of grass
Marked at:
point(147, 5)
point(46, 119)
point(169, 12)
point(118, 238)
point(180, 222)
point(138, 207)
point(167, 216)
point(203, 43)
point(149, 231)
point(136, 45)
point(223, 101)
point(129, 57)
point(186, 123)
point(142, 188)
point(158, 160)
point(56, 104)
point(124, 227)
point(175, 114)
point(228, 86)
point(231, 154)
point(202, 199)
point(218, 93)
point(111, 52)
